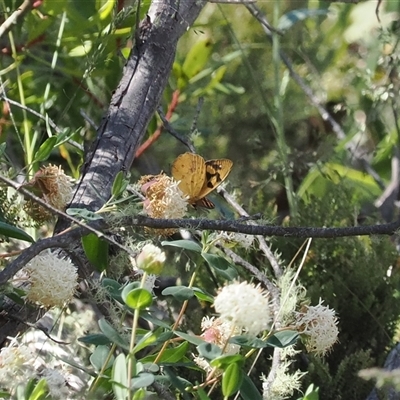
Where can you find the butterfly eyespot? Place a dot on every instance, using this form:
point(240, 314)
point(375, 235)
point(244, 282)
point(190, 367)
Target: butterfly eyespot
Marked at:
point(198, 177)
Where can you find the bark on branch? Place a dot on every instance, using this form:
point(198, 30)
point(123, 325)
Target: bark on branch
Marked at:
point(131, 108)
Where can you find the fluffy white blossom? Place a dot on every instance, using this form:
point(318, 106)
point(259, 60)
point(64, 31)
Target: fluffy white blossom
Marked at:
point(16, 365)
point(236, 238)
point(56, 383)
point(217, 332)
point(52, 280)
point(244, 306)
point(164, 199)
point(284, 384)
point(319, 325)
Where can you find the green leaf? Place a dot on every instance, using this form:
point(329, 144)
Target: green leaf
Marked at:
point(45, 149)
point(40, 391)
point(312, 393)
point(283, 339)
point(119, 184)
point(197, 57)
point(247, 341)
point(112, 334)
point(96, 251)
point(289, 19)
point(248, 390)
point(140, 394)
point(82, 50)
point(176, 354)
point(138, 298)
point(183, 244)
point(14, 232)
point(180, 293)
point(170, 356)
point(83, 213)
point(221, 266)
point(3, 147)
point(158, 322)
point(225, 360)
point(119, 376)
point(179, 383)
point(202, 394)
point(321, 178)
point(113, 287)
point(146, 340)
point(97, 339)
point(209, 350)
point(99, 357)
point(202, 295)
point(191, 339)
point(231, 379)
point(144, 379)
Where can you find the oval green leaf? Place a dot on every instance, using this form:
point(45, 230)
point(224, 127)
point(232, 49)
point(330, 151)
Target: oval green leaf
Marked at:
point(99, 357)
point(197, 57)
point(112, 334)
point(97, 339)
point(231, 379)
point(180, 293)
point(96, 251)
point(119, 184)
point(224, 361)
point(221, 266)
point(183, 244)
point(119, 376)
point(248, 390)
point(144, 379)
point(138, 298)
point(209, 350)
point(45, 149)
point(14, 232)
point(283, 339)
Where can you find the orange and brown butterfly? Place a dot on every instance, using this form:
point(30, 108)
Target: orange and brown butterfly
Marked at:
point(198, 177)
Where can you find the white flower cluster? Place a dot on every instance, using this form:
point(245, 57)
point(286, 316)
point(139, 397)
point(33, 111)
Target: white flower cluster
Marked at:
point(319, 325)
point(164, 199)
point(236, 238)
point(244, 306)
point(15, 364)
point(18, 364)
point(52, 280)
point(284, 384)
point(217, 332)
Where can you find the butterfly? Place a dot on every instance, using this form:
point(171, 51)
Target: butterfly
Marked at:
point(198, 177)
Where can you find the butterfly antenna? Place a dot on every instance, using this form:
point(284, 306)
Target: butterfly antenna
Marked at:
point(168, 127)
point(200, 103)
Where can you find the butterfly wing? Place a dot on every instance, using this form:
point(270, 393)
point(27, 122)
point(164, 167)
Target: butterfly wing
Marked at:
point(190, 170)
point(216, 172)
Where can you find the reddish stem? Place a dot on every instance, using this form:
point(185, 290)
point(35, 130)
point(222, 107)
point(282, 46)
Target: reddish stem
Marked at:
point(171, 108)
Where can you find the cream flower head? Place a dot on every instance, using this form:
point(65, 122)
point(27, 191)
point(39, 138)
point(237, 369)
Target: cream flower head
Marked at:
point(54, 187)
point(164, 199)
point(319, 325)
point(15, 364)
point(244, 306)
point(53, 280)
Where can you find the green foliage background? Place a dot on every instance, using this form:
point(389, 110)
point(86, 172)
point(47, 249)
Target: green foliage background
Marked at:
point(67, 56)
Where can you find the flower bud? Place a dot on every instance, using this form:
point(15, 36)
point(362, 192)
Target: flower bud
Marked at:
point(151, 259)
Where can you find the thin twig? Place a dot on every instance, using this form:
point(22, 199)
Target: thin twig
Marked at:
point(23, 9)
point(263, 230)
point(43, 117)
point(168, 127)
point(261, 240)
point(88, 227)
